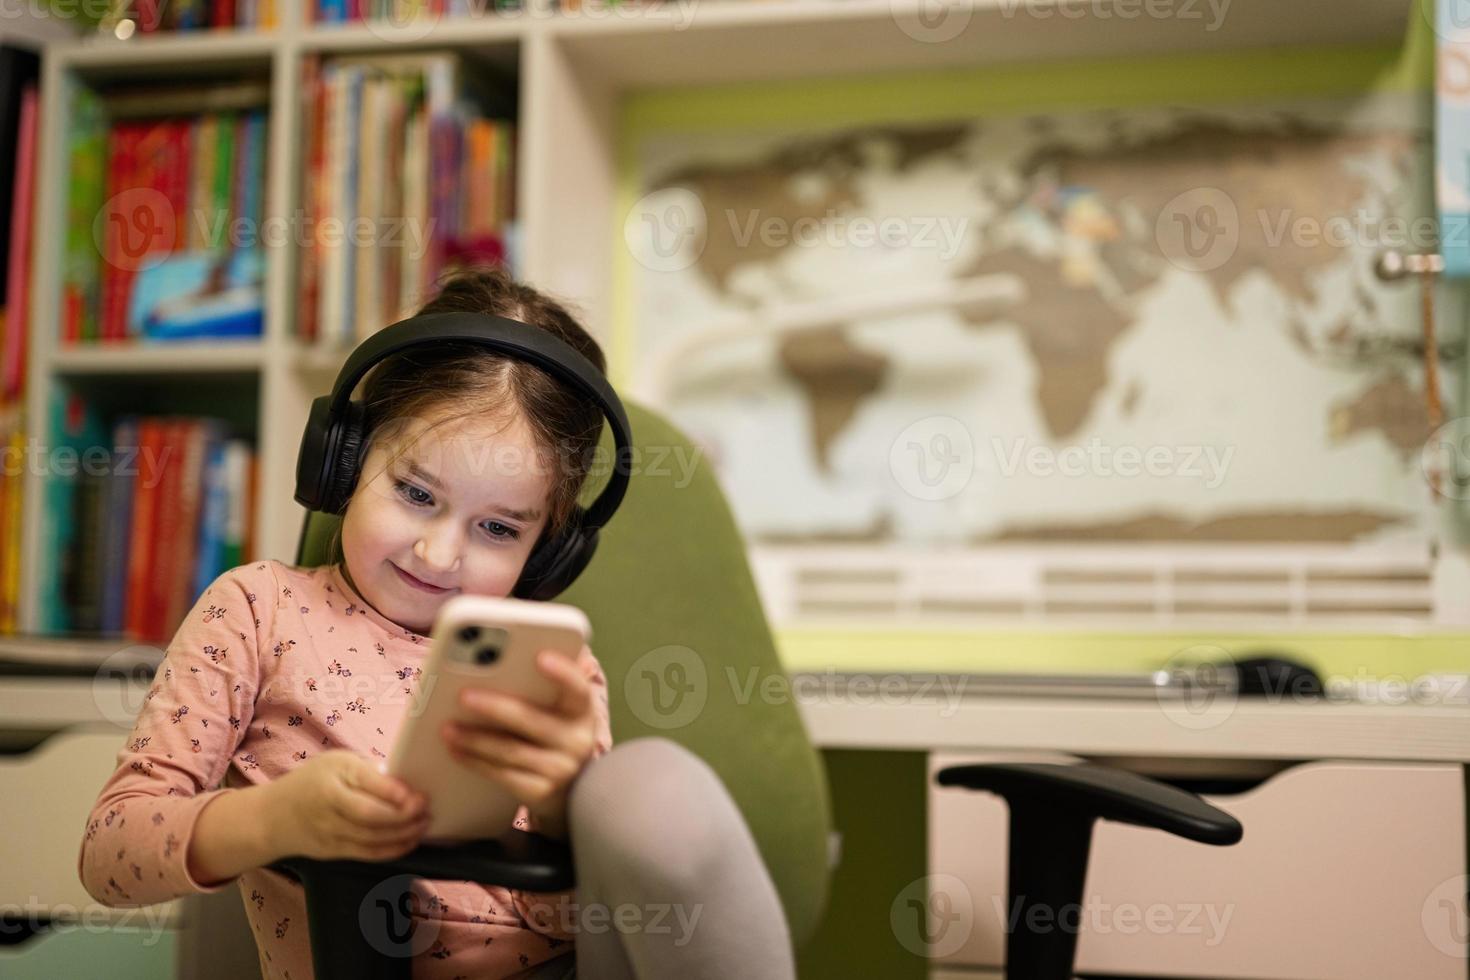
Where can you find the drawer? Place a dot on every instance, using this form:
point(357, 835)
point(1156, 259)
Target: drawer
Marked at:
point(1347, 871)
point(46, 794)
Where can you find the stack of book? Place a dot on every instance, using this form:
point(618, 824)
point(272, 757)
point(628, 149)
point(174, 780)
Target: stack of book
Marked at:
point(409, 173)
point(148, 515)
point(197, 15)
point(405, 11)
point(164, 224)
point(19, 114)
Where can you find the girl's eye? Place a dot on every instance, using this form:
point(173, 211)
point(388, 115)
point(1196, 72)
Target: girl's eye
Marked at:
point(509, 532)
point(407, 491)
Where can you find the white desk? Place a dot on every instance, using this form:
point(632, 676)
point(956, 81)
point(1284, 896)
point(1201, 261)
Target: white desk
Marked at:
point(1355, 818)
point(1249, 729)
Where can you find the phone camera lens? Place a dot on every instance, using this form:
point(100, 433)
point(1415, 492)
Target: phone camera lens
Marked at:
point(469, 634)
point(486, 655)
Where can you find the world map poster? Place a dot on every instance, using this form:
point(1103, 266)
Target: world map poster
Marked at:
point(1135, 325)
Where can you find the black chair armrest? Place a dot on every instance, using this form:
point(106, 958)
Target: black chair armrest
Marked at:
point(516, 859)
point(1053, 809)
point(358, 912)
point(1110, 794)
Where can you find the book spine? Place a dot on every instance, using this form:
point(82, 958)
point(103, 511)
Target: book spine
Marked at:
point(74, 426)
point(14, 481)
point(329, 295)
point(124, 476)
point(314, 97)
point(352, 154)
point(18, 277)
point(392, 245)
point(151, 463)
point(165, 532)
point(195, 434)
point(115, 232)
point(369, 209)
point(86, 579)
point(201, 184)
point(181, 179)
point(226, 161)
point(237, 480)
point(85, 199)
point(9, 486)
point(207, 566)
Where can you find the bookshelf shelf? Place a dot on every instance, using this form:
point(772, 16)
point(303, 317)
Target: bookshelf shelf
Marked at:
point(572, 71)
point(725, 41)
point(157, 53)
point(202, 357)
point(446, 33)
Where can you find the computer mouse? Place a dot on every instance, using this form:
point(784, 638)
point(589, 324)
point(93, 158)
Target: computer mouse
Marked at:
point(1275, 674)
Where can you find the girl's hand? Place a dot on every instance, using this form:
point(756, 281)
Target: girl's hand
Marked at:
point(533, 752)
point(338, 805)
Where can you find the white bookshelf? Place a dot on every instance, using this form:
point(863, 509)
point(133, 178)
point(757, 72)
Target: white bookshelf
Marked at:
point(573, 70)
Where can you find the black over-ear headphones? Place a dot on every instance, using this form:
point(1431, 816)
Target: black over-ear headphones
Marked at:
point(327, 466)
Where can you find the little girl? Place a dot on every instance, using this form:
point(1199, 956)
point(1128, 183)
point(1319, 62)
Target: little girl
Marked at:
point(266, 730)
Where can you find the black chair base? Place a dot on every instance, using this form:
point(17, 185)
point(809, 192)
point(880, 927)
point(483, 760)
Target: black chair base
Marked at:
point(359, 911)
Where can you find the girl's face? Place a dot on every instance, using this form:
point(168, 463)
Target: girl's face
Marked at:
point(456, 512)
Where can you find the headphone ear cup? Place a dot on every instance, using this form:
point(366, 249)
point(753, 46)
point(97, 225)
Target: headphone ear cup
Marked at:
point(346, 460)
point(556, 561)
point(311, 459)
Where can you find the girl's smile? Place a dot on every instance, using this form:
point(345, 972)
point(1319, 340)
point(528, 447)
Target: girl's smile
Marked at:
point(418, 584)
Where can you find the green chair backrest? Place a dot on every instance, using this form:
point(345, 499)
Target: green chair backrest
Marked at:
point(680, 632)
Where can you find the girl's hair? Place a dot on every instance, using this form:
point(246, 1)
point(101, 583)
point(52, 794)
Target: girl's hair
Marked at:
point(458, 380)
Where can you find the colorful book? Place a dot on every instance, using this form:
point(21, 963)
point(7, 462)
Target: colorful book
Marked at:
point(17, 283)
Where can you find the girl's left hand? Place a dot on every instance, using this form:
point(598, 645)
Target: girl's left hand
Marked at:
point(533, 752)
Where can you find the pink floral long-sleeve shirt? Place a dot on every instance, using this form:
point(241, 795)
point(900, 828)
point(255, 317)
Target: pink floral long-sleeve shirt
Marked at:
point(273, 665)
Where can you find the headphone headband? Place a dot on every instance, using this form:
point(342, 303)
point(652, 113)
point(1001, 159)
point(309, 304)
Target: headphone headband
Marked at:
point(521, 341)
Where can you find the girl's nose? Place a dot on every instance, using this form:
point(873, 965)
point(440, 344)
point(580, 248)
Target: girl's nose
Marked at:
point(439, 549)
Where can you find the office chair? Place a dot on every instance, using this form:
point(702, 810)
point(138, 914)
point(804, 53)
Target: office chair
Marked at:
point(671, 570)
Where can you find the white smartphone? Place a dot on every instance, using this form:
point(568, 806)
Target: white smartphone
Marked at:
point(477, 641)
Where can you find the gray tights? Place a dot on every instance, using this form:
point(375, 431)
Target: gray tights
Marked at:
point(669, 881)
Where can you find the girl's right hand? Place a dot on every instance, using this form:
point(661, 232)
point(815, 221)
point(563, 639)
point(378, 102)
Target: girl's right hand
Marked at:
point(338, 805)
